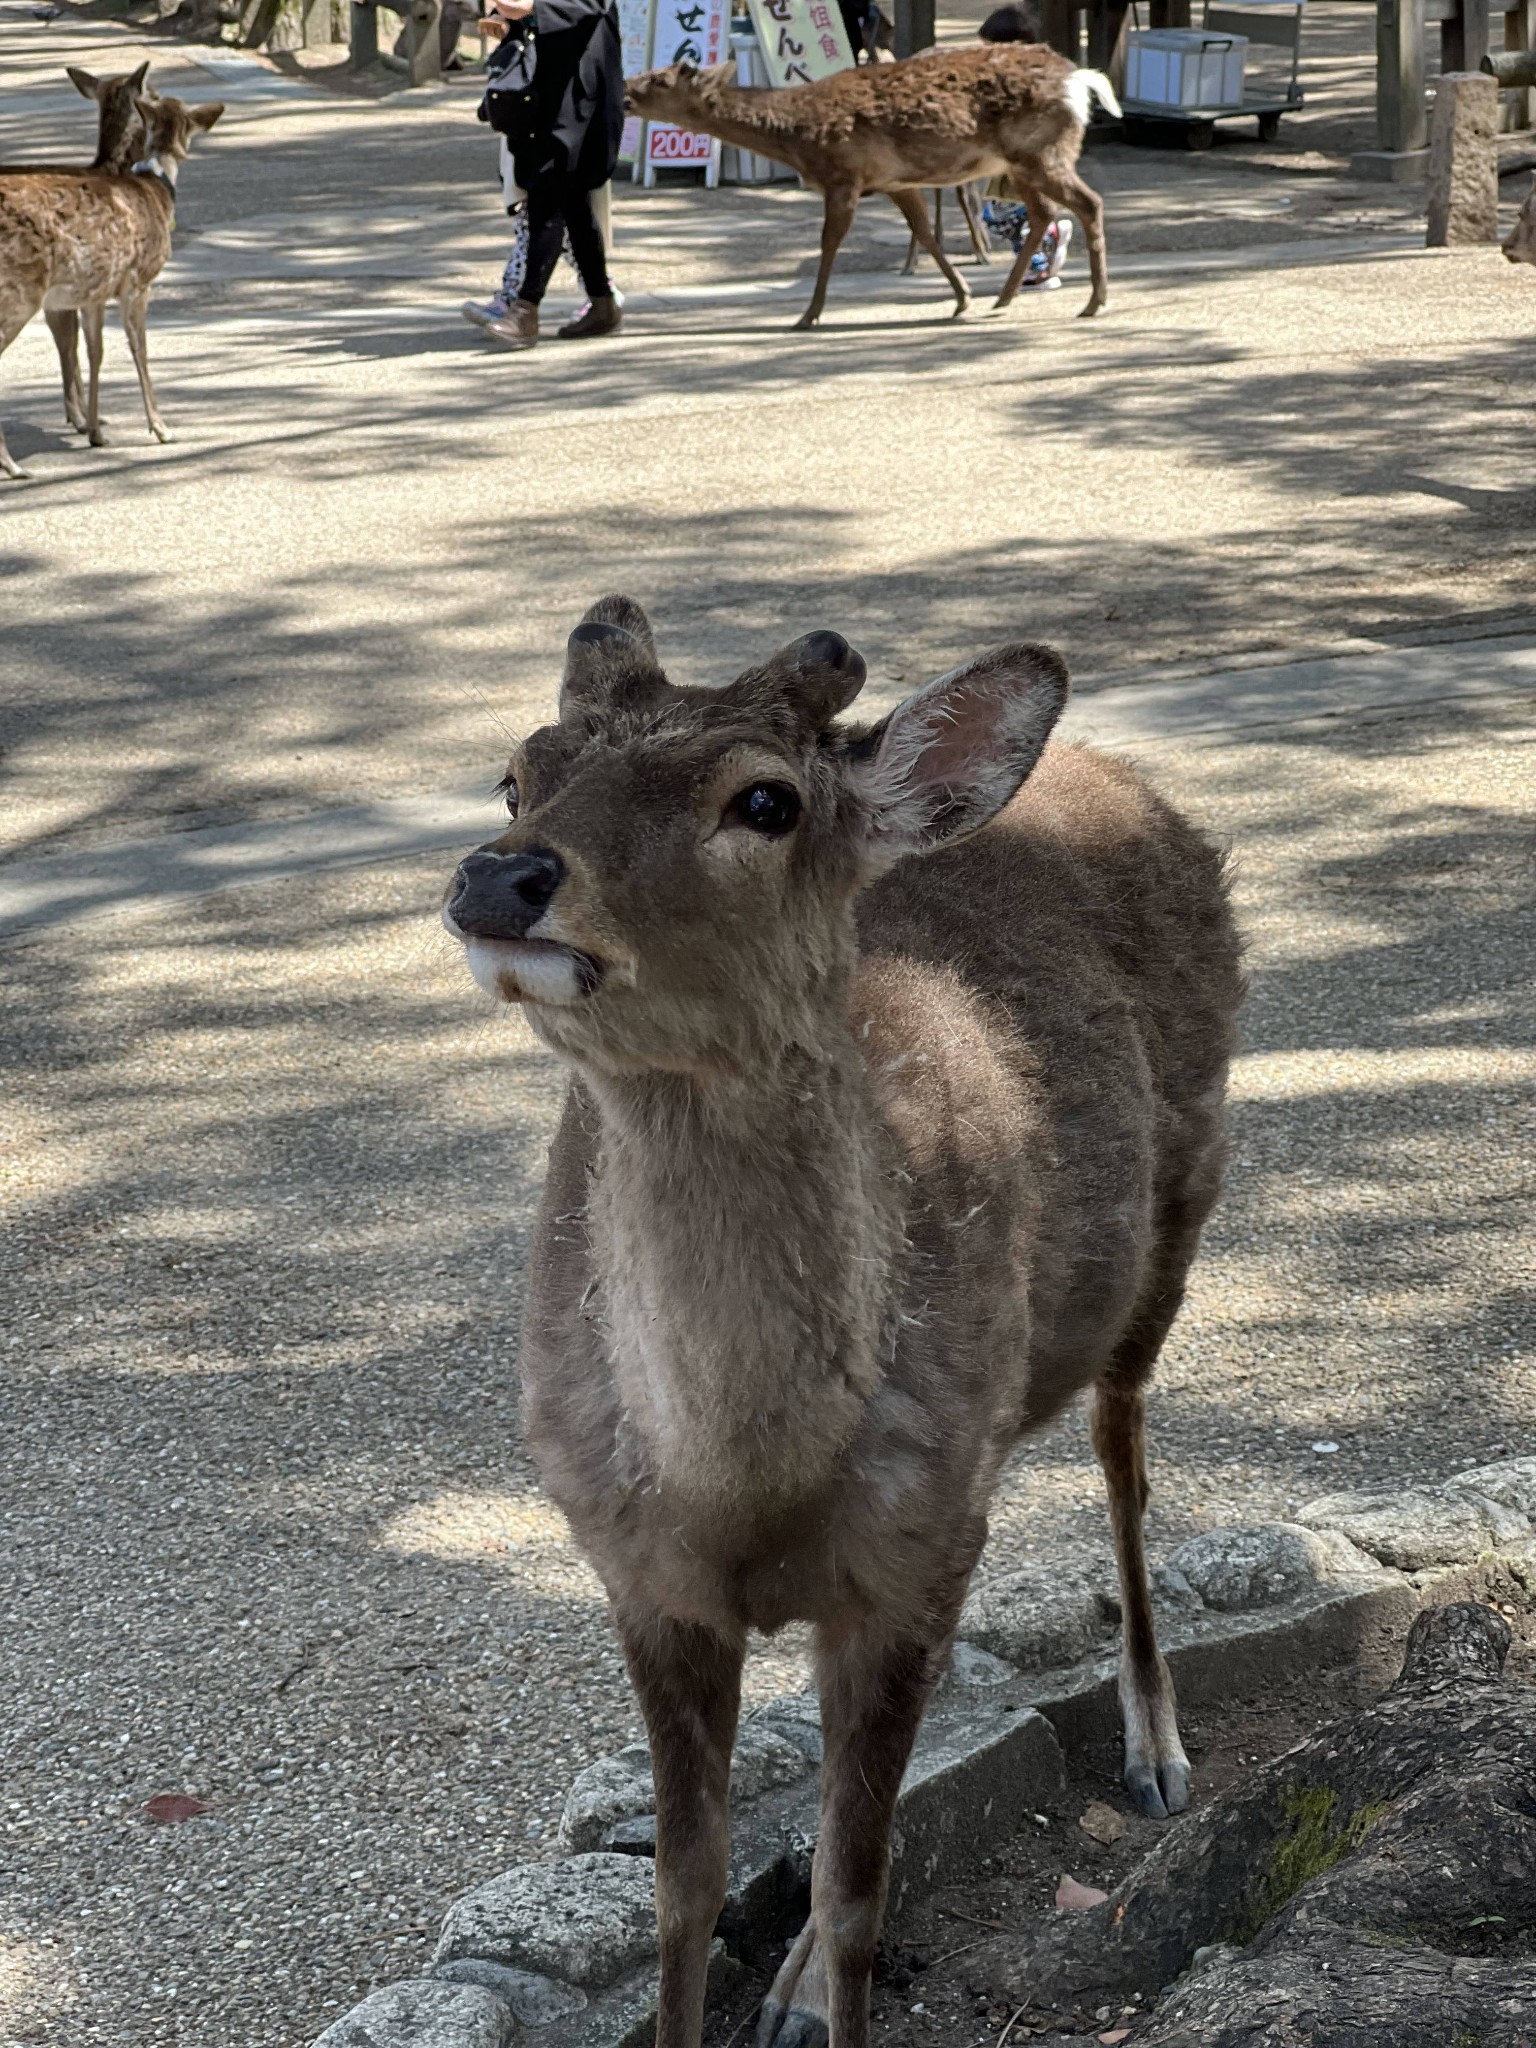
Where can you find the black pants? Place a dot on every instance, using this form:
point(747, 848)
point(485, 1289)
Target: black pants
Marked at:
point(557, 207)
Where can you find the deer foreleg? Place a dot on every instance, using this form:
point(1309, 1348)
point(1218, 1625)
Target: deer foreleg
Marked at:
point(916, 214)
point(689, 1683)
point(836, 221)
point(873, 1692)
point(91, 319)
point(65, 329)
point(967, 199)
point(134, 309)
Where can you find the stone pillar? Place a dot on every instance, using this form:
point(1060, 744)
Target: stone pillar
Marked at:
point(1464, 161)
point(365, 34)
point(914, 26)
point(424, 41)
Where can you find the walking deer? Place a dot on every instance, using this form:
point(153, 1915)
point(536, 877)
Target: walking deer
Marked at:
point(70, 241)
point(1014, 109)
point(897, 1059)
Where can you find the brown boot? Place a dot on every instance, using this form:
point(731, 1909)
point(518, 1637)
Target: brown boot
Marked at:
point(518, 327)
point(603, 316)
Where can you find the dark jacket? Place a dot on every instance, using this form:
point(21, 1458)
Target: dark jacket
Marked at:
point(578, 94)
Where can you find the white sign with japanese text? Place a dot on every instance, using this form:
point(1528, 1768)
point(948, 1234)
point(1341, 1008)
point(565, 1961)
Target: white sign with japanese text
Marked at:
point(635, 35)
point(801, 40)
point(687, 32)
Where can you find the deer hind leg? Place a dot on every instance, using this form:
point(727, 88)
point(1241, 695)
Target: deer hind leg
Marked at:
point(911, 206)
point(65, 329)
point(1060, 182)
point(836, 221)
point(689, 1683)
point(967, 199)
point(1156, 1768)
point(1041, 214)
point(92, 319)
point(134, 307)
point(16, 309)
point(873, 1692)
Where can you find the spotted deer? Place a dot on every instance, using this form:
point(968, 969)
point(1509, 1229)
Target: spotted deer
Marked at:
point(1006, 109)
point(897, 1055)
point(72, 241)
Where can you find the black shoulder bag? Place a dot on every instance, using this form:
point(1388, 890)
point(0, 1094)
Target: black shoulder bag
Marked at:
point(508, 102)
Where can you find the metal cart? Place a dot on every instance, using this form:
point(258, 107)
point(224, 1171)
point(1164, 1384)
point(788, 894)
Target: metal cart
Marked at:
point(1276, 23)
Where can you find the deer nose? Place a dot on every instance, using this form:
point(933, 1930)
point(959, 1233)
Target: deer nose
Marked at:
point(503, 895)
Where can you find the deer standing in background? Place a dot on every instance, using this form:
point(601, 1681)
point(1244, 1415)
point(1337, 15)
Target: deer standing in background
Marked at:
point(895, 1113)
point(944, 118)
point(120, 142)
point(1520, 244)
point(71, 241)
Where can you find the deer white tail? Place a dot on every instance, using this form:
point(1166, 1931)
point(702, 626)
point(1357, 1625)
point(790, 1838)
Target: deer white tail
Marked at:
point(1084, 87)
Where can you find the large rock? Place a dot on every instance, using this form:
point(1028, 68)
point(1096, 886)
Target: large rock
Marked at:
point(1263, 1564)
point(584, 1921)
point(424, 2014)
point(619, 1789)
point(1416, 1528)
point(1510, 1484)
point(1042, 1616)
point(535, 2001)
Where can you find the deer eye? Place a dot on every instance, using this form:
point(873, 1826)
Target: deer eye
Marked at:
point(507, 787)
point(767, 807)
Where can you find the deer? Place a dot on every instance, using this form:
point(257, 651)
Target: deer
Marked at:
point(1520, 243)
point(70, 241)
point(942, 118)
point(119, 144)
point(896, 1055)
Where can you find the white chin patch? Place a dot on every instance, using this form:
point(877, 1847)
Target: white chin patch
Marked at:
point(524, 970)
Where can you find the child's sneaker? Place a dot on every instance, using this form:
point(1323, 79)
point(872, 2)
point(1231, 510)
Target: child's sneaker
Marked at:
point(1045, 266)
point(486, 315)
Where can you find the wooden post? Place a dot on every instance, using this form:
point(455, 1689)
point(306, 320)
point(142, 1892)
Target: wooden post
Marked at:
point(315, 17)
point(424, 47)
point(1169, 14)
point(1464, 37)
point(1402, 121)
point(364, 39)
point(1464, 160)
point(1519, 105)
point(1107, 25)
point(1058, 24)
point(914, 26)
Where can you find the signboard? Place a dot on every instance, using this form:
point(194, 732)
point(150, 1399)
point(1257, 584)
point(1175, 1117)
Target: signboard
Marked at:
point(635, 36)
point(801, 40)
point(687, 32)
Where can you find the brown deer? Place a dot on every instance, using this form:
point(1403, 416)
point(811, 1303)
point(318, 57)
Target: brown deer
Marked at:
point(944, 118)
point(895, 1113)
point(73, 240)
point(119, 145)
point(1520, 243)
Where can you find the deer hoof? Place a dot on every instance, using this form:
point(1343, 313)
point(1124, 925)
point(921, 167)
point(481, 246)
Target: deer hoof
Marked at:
point(162, 432)
point(1094, 307)
point(1159, 1790)
point(962, 307)
point(791, 2028)
point(806, 320)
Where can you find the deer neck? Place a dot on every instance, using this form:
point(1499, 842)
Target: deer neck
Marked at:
point(746, 1238)
point(744, 117)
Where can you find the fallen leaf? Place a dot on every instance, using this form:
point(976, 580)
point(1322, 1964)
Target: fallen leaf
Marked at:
point(169, 1809)
point(1115, 2034)
point(1103, 1823)
point(1073, 1897)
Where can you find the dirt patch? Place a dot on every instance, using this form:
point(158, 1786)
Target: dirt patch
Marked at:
point(944, 1964)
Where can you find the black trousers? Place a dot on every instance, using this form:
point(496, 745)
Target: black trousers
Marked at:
point(556, 208)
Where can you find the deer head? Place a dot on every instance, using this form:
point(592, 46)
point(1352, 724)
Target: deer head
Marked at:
point(169, 129)
point(1521, 245)
point(675, 90)
point(120, 131)
point(675, 888)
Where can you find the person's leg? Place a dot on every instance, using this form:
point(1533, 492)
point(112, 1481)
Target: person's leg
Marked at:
point(602, 314)
point(546, 232)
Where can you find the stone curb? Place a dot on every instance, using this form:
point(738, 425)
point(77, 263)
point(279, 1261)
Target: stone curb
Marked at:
point(567, 1949)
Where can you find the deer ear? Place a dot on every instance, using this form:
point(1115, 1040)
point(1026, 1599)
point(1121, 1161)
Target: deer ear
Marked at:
point(687, 73)
point(819, 675)
point(947, 760)
point(605, 658)
point(83, 82)
point(205, 115)
point(136, 79)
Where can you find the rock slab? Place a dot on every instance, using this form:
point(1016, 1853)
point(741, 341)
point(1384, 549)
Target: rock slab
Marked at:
point(585, 1921)
point(421, 2013)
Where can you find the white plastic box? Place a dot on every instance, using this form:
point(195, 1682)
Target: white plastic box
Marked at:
point(1184, 67)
